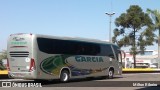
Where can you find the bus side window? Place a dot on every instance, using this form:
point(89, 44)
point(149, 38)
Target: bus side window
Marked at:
point(117, 52)
point(106, 50)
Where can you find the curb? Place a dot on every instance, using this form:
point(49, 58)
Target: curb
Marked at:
point(141, 70)
point(4, 76)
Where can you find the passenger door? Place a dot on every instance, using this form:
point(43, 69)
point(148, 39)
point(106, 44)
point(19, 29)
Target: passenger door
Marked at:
point(118, 60)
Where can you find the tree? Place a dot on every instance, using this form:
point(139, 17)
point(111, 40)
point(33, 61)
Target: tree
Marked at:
point(134, 28)
point(3, 56)
point(155, 14)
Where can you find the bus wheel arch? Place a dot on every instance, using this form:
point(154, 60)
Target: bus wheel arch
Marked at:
point(110, 73)
point(65, 74)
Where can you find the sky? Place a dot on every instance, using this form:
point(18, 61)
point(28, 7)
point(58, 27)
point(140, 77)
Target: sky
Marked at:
point(69, 18)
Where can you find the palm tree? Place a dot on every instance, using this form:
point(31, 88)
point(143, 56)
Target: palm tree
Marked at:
point(155, 14)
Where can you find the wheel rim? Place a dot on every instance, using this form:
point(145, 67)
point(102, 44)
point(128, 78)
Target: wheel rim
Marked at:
point(110, 73)
point(65, 76)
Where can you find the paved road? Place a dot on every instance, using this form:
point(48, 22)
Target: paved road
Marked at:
point(144, 81)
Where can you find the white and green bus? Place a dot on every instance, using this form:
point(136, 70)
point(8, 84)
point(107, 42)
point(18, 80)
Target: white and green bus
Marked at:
point(33, 56)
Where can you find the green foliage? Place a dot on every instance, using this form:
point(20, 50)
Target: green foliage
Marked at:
point(134, 28)
point(155, 14)
point(3, 56)
point(156, 17)
point(134, 18)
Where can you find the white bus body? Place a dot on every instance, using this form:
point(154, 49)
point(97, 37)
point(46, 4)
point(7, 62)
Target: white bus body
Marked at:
point(33, 56)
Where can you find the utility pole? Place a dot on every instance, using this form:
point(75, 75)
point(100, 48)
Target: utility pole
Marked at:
point(110, 21)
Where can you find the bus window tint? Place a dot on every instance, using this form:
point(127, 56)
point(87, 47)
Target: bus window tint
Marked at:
point(106, 50)
point(117, 51)
point(54, 46)
point(45, 45)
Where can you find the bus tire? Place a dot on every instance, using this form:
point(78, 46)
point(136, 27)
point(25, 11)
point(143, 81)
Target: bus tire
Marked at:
point(64, 77)
point(110, 74)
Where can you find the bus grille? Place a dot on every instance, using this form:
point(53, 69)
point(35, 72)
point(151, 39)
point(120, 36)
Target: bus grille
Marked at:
point(19, 54)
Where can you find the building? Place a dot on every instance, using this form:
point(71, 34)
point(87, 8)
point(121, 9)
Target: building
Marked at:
point(147, 60)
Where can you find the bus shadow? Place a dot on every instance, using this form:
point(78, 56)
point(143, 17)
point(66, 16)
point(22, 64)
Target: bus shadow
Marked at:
point(150, 88)
point(57, 81)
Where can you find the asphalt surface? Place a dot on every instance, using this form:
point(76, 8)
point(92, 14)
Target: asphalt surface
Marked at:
point(139, 81)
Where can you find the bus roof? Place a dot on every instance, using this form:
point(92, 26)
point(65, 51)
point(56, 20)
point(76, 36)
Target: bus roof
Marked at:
point(75, 39)
point(70, 38)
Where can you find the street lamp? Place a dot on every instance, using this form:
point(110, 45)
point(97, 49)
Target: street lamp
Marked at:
point(110, 15)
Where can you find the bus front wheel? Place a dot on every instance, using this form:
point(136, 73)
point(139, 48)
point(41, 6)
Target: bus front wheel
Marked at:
point(110, 74)
point(64, 77)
